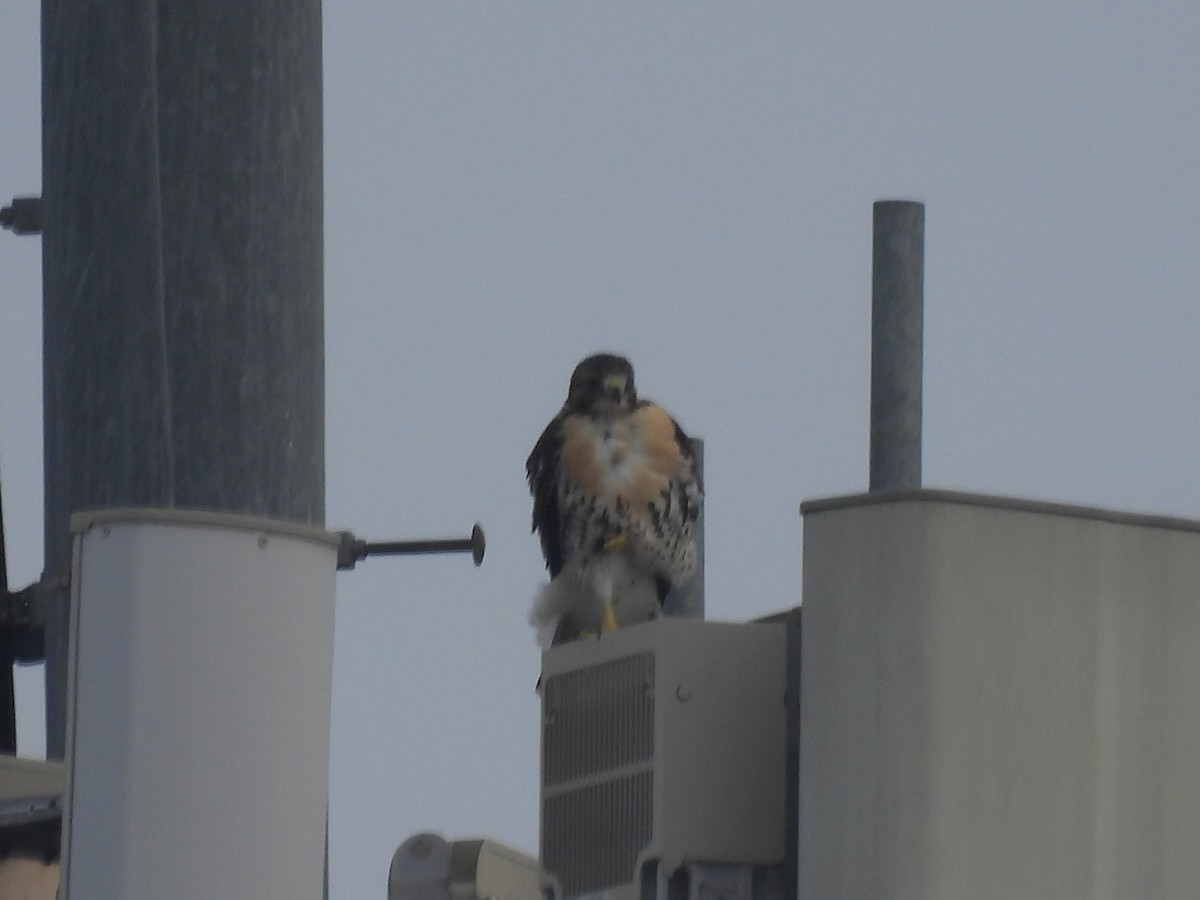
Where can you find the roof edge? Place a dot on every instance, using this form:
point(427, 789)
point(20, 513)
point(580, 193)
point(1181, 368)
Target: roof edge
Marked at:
point(85, 520)
point(965, 498)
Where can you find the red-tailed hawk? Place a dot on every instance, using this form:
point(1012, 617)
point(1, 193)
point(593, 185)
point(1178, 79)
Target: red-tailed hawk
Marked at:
point(616, 491)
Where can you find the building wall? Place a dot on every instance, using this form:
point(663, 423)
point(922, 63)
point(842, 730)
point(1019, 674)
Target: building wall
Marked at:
point(999, 699)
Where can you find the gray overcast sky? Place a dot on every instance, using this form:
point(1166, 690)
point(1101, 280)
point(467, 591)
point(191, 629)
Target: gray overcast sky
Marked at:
point(510, 186)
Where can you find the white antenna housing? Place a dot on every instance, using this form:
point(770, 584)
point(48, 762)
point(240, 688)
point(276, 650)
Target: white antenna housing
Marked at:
point(198, 718)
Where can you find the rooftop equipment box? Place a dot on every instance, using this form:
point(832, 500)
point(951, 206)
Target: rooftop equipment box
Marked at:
point(662, 744)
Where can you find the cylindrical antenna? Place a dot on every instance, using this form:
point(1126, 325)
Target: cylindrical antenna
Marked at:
point(897, 312)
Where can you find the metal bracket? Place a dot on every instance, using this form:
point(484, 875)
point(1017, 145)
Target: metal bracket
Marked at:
point(23, 215)
point(21, 617)
point(352, 549)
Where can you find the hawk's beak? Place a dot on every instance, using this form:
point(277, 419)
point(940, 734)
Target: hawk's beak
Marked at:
point(614, 387)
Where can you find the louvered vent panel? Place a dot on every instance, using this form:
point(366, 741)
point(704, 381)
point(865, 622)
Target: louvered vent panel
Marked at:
point(662, 741)
point(591, 837)
point(598, 719)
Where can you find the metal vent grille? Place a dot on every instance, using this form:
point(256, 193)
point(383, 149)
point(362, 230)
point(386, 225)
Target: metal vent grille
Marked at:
point(591, 837)
point(662, 743)
point(598, 719)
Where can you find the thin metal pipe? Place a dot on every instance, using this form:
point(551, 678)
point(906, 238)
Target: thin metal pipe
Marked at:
point(8, 702)
point(897, 313)
point(353, 549)
point(474, 545)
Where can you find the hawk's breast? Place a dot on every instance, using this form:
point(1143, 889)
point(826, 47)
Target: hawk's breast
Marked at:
point(628, 460)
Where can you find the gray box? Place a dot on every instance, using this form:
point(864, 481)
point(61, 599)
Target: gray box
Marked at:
point(662, 744)
point(1000, 699)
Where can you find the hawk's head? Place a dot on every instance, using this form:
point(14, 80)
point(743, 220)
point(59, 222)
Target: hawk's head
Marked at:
point(602, 383)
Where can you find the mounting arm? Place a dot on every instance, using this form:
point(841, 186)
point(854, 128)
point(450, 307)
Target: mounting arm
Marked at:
point(353, 549)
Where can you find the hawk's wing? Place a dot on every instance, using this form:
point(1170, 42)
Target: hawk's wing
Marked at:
point(672, 500)
point(542, 470)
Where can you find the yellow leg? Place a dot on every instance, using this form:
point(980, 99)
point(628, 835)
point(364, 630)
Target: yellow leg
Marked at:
point(608, 621)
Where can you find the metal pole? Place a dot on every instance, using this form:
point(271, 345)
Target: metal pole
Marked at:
point(353, 549)
point(8, 702)
point(897, 301)
point(182, 258)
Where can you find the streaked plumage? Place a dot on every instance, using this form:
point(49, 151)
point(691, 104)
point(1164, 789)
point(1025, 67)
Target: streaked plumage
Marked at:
point(615, 494)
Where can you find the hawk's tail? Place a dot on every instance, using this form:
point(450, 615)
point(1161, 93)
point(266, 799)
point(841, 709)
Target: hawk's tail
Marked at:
point(547, 612)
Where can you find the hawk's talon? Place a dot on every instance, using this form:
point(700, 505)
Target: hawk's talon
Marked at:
point(615, 541)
